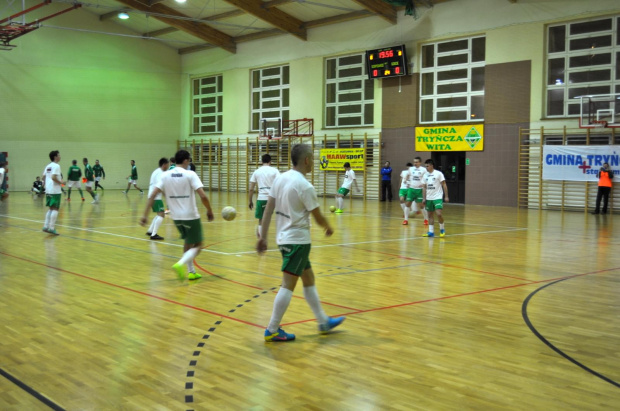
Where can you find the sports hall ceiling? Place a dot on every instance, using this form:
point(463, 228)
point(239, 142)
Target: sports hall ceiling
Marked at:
point(204, 24)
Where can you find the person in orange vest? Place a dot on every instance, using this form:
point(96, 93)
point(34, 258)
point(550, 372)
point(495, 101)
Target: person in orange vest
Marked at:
point(605, 175)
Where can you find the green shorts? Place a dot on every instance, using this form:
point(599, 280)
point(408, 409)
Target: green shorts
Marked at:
point(158, 206)
point(432, 205)
point(295, 258)
point(191, 230)
point(343, 191)
point(414, 194)
point(402, 193)
point(259, 209)
point(52, 200)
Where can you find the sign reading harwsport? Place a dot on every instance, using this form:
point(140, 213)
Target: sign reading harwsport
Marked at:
point(450, 138)
point(334, 158)
point(578, 163)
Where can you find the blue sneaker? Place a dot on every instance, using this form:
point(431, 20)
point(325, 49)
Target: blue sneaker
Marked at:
point(429, 234)
point(280, 335)
point(331, 323)
point(442, 232)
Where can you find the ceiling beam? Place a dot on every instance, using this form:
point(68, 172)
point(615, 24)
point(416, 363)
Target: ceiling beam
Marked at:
point(272, 16)
point(340, 18)
point(215, 17)
point(202, 31)
point(381, 9)
point(112, 14)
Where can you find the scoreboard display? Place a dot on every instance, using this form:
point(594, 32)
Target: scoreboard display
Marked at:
point(386, 62)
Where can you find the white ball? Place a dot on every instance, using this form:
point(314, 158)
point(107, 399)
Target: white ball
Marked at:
point(229, 213)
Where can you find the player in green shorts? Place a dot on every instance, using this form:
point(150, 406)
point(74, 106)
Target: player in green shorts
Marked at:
point(53, 184)
point(180, 187)
point(405, 181)
point(433, 191)
point(293, 199)
point(262, 179)
point(349, 180)
point(158, 204)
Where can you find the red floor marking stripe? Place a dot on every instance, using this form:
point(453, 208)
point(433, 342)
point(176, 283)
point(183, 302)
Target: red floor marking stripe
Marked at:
point(226, 279)
point(134, 291)
point(463, 295)
point(437, 263)
point(326, 303)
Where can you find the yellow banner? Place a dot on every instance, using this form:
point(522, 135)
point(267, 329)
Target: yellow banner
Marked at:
point(449, 138)
point(334, 158)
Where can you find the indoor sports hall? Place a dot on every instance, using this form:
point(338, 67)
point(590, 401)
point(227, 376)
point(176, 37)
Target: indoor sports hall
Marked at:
point(512, 305)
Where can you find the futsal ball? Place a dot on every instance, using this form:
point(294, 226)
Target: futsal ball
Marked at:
point(332, 208)
point(229, 213)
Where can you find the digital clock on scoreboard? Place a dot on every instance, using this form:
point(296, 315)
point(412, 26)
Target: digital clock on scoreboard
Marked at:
point(386, 62)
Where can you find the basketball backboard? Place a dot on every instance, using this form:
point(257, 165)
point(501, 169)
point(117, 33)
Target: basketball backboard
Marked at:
point(276, 128)
point(599, 110)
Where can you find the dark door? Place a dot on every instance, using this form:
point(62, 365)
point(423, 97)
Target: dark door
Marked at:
point(452, 165)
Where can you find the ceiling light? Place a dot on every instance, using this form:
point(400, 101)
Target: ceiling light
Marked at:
point(123, 16)
point(180, 1)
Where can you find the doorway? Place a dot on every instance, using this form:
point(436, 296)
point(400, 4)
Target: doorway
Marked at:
point(452, 165)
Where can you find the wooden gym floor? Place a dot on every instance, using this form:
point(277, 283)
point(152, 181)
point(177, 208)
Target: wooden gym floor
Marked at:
point(513, 309)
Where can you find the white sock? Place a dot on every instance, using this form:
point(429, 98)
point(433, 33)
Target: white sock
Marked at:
point(53, 217)
point(259, 230)
point(407, 213)
point(47, 219)
point(157, 221)
point(441, 226)
point(402, 205)
point(425, 213)
point(280, 304)
point(190, 267)
point(189, 255)
point(150, 230)
point(312, 298)
point(341, 203)
point(431, 228)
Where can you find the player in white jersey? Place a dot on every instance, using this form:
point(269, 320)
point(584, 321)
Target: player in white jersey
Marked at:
point(414, 193)
point(3, 191)
point(435, 192)
point(53, 192)
point(262, 178)
point(158, 204)
point(293, 198)
point(180, 186)
point(405, 182)
point(349, 180)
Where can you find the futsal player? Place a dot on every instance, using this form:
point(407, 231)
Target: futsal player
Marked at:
point(293, 198)
point(158, 204)
point(99, 174)
point(349, 180)
point(433, 192)
point(89, 174)
point(263, 179)
point(414, 193)
point(73, 179)
point(53, 184)
point(405, 181)
point(133, 179)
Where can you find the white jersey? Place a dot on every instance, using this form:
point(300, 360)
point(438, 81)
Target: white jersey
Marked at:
point(155, 176)
point(264, 177)
point(2, 172)
point(405, 178)
point(52, 187)
point(295, 198)
point(179, 186)
point(417, 177)
point(349, 176)
point(434, 188)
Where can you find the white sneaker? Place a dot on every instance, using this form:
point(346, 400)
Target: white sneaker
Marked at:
point(124, 192)
point(96, 200)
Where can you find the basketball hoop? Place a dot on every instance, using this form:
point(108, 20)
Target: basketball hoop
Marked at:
point(599, 123)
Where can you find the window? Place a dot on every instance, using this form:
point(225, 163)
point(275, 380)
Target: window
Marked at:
point(207, 95)
point(452, 81)
point(349, 94)
point(582, 59)
point(270, 94)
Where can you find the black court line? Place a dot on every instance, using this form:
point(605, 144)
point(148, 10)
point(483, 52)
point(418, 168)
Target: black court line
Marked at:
point(36, 394)
point(549, 344)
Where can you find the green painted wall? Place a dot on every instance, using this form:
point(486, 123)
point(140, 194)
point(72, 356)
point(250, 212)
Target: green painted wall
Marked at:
point(87, 95)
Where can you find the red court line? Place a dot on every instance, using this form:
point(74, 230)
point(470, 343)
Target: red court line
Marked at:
point(462, 295)
point(438, 263)
point(259, 288)
point(134, 291)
